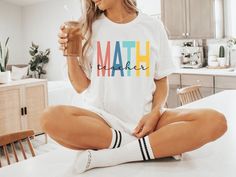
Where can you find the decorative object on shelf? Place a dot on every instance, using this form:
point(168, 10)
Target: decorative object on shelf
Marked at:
point(38, 61)
point(221, 59)
point(5, 76)
point(231, 43)
point(218, 62)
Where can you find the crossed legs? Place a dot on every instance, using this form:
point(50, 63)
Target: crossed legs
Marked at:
point(178, 130)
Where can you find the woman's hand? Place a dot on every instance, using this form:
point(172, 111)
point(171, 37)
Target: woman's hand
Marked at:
point(64, 37)
point(147, 124)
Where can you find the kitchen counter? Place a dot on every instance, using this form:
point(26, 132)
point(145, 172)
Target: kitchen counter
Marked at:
point(206, 71)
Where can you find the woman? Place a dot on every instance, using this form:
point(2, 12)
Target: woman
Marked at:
point(122, 75)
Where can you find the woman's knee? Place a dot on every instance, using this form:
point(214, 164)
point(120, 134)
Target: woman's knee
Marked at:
point(51, 115)
point(214, 122)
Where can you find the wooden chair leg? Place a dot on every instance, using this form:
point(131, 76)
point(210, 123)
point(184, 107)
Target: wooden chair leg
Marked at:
point(22, 149)
point(31, 147)
point(14, 151)
point(6, 154)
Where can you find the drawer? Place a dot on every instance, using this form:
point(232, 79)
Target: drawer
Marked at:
point(189, 79)
point(174, 79)
point(225, 82)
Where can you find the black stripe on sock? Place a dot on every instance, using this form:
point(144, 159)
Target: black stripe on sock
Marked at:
point(145, 145)
point(115, 140)
point(141, 148)
point(120, 139)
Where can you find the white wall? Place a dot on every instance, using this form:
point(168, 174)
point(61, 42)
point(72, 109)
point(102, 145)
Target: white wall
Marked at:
point(41, 23)
point(11, 26)
point(151, 7)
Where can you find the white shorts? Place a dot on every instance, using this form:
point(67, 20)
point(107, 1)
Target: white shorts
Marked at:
point(113, 121)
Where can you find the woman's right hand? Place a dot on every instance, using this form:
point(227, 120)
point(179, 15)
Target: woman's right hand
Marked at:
point(63, 38)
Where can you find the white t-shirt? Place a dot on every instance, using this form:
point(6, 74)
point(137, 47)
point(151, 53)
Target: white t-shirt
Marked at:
point(125, 60)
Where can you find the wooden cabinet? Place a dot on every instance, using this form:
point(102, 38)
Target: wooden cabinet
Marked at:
point(184, 80)
point(200, 19)
point(193, 19)
point(206, 82)
point(210, 84)
point(173, 15)
point(174, 82)
point(21, 104)
point(224, 83)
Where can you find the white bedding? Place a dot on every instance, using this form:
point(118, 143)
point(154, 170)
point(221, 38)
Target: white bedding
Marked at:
point(217, 159)
point(62, 93)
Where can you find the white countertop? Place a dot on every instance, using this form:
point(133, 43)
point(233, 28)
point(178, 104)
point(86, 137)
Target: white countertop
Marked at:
point(217, 159)
point(206, 71)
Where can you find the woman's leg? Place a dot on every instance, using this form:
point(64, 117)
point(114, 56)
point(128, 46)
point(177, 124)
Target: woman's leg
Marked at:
point(76, 128)
point(182, 130)
point(178, 131)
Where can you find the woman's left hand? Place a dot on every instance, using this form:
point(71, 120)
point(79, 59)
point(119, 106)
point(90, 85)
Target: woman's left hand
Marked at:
point(147, 124)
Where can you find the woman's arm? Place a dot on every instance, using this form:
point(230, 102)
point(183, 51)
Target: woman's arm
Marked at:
point(76, 74)
point(161, 94)
point(149, 121)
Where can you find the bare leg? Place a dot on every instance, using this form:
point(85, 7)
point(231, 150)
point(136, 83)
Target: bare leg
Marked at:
point(182, 130)
point(178, 131)
point(76, 128)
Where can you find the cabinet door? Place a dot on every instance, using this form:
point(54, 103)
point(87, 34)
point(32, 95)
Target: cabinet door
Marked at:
point(10, 110)
point(174, 18)
point(225, 82)
point(35, 101)
point(173, 99)
point(200, 18)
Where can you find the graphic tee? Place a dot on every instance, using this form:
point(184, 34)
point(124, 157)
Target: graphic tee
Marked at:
point(125, 60)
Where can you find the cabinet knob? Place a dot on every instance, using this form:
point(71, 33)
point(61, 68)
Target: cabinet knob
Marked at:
point(22, 111)
point(183, 34)
point(187, 34)
point(25, 108)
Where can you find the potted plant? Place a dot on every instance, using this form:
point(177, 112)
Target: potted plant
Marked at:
point(5, 76)
point(221, 59)
point(38, 61)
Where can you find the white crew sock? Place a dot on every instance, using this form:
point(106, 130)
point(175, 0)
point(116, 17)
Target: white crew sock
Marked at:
point(138, 150)
point(120, 139)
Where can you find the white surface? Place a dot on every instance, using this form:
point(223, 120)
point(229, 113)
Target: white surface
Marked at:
point(151, 7)
point(205, 71)
point(11, 26)
point(217, 159)
point(24, 2)
point(62, 93)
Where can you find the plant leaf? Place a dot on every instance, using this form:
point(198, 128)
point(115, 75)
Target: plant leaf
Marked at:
point(44, 72)
point(0, 50)
point(35, 46)
point(6, 58)
point(47, 52)
point(6, 41)
point(1, 68)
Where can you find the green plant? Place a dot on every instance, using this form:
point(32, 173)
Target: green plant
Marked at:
point(4, 56)
point(38, 61)
point(222, 52)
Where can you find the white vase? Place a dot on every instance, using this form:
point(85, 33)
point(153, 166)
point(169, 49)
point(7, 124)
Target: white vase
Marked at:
point(5, 77)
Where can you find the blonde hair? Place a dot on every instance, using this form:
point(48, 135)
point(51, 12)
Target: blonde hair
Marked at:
point(90, 14)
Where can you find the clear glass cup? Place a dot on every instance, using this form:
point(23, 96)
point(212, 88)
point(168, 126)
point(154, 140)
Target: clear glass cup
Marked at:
point(74, 45)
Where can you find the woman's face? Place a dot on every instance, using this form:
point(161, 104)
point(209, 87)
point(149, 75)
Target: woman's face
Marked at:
point(105, 4)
